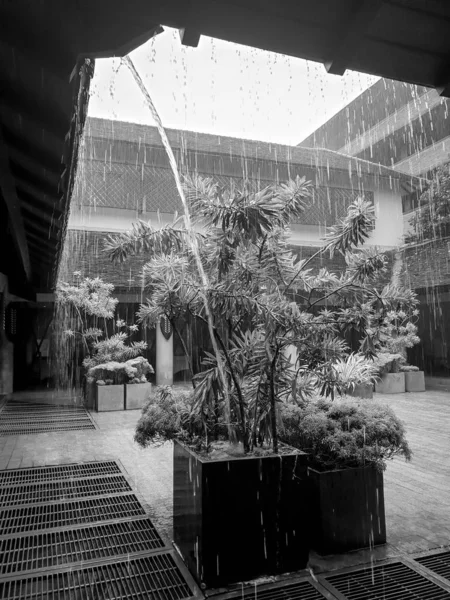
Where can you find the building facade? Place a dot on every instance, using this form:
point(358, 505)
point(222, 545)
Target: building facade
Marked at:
point(407, 128)
point(124, 175)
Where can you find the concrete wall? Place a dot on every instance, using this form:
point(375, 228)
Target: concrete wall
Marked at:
point(6, 347)
point(388, 228)
point(389, 220)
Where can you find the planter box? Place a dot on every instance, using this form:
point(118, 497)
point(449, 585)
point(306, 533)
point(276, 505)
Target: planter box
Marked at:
point(239, 518)
point(348, 509)
point(109, 397)
point(391, 383)
point(362, 391)
point(414, 381)
point(136, 395)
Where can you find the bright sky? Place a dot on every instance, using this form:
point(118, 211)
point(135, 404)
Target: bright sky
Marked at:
point(223, 88)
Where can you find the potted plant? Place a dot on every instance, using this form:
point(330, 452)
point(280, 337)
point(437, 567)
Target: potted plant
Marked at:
point(232, 270)
point(138, 388)
point(397, 332)
point(87, 306)
point(113, 363)
point(348, 443)
point(414, 378)
point(391, 379)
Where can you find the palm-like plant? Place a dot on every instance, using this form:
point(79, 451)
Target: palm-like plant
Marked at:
point(263, 301)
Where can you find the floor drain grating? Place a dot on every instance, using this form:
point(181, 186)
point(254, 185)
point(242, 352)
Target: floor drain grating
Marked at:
point(301, 590)
point(56, 548)
point(28, 429)
point(148, 577)
point(52, 491)
point(437, 563)
point(395, 581)
point(26, 419)
point(63, 514)
point(41, 474)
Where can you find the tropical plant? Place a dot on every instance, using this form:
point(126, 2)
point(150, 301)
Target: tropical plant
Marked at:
point(90, 306)
point(432, 219)
point(344, 433)
point(261, 301)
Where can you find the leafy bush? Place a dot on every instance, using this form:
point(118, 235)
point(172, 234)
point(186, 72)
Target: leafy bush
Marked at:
point(168, 415)
point(409, 369)
point(387, 362)
point(119, 373)
point(344, 433)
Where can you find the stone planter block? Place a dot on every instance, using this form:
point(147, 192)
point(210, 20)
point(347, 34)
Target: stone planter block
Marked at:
point(109, 397)
point(391, 383)
point(415, 381)
point(136, 395)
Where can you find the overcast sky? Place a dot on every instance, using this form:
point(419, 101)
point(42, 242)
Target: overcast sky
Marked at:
point(223, 88)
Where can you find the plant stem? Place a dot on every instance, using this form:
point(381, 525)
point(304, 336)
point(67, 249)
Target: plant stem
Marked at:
point(185, 350)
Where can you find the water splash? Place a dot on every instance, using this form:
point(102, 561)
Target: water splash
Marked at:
point(193, 242)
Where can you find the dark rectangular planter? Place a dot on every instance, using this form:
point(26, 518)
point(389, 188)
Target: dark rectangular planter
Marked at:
point(348, 509)
point(239, 518)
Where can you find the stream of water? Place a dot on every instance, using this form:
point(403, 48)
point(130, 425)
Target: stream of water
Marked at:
point(189, 228)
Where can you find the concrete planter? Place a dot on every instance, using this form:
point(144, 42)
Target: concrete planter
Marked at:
point(239, 518)
point(109, 397)
point(414, 381)
point(391, 383)
point(136, 395)
point(363, 390)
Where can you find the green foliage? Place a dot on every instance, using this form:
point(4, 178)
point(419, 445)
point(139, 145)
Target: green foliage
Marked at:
point(114, 349)
point(134, 370)
point(263, 302)
point(432, 219)
point(344, 433)
point(409, 369)
point(388, 362)
point(168, 415)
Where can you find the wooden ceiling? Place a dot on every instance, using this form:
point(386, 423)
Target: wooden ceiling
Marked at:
point(47, 52)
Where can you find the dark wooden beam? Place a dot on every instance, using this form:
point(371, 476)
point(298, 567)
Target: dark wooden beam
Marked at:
point(348, 43)
point(46, 188)
point(43, 201)
point(11, 199)
point(46, 112)
point(18, 145)
point(189, 37)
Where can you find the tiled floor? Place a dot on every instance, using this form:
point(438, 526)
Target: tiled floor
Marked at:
point(416, 494)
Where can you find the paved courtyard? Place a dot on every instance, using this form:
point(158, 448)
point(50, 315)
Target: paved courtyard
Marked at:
point(416, 493)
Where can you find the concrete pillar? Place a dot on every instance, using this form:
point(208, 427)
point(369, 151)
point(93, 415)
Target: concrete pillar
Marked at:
point(164, 358)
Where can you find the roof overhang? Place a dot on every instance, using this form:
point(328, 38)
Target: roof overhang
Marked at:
point(44, 83)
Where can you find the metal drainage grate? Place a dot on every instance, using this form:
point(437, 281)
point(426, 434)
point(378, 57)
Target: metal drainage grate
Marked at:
point(395, 581)
point(438, 563)
point(50, 549)
point(47, 516)
point(41, 474)
point(301, 590)
point(52, 491)
point(28, 429)
point(155, 577)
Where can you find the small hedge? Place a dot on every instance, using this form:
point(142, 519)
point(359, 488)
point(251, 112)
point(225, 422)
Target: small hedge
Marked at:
point(345, 433)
